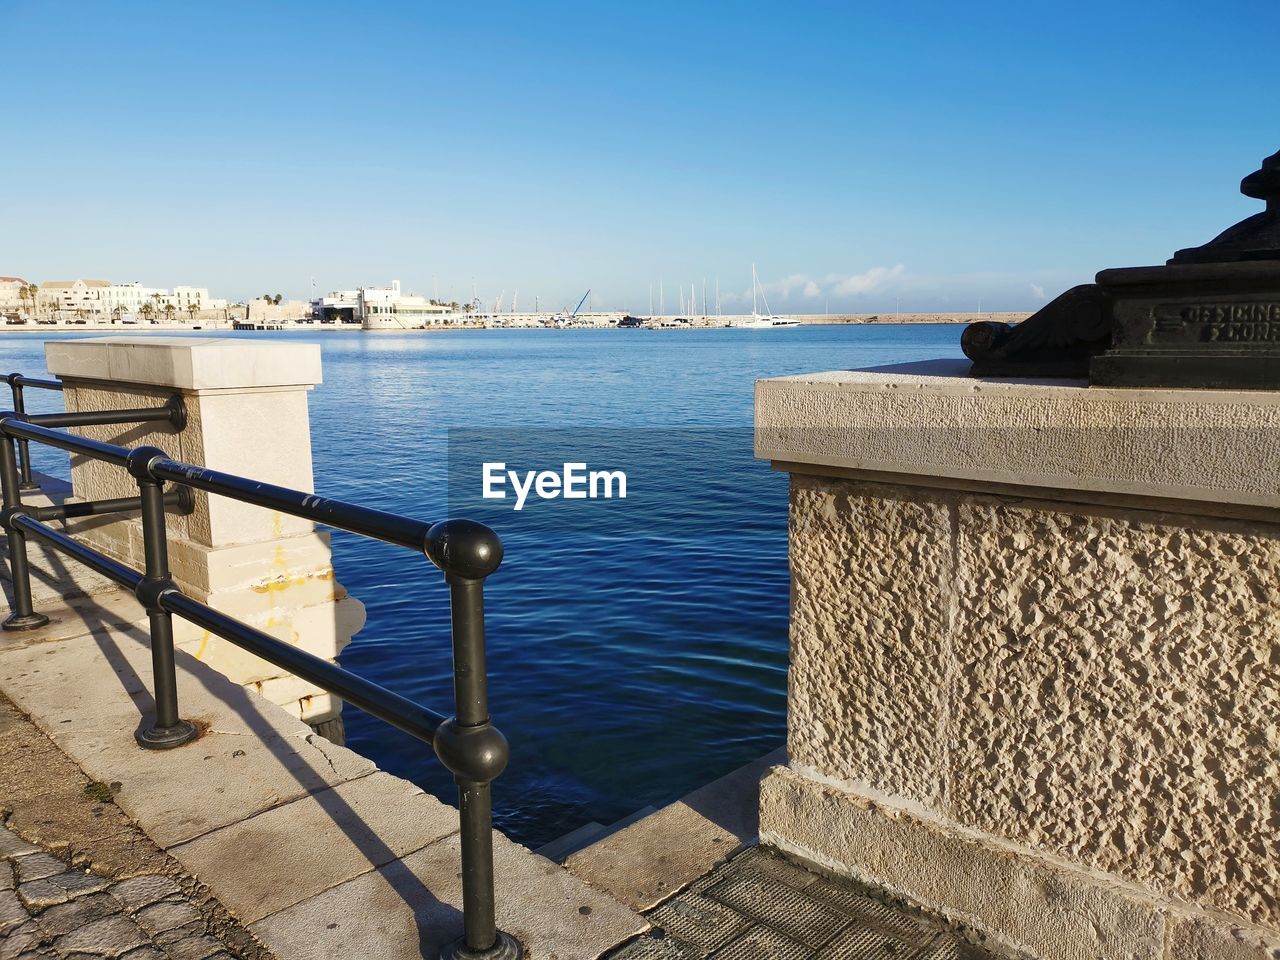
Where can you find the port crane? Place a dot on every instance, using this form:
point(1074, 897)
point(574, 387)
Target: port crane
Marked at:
point(569, 315)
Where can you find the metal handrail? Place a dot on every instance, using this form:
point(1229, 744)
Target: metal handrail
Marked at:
point(468, 743)
point(16, 383)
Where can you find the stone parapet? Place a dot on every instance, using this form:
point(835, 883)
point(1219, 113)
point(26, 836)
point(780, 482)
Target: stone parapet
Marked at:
point(1033, 685)
point(246, 406)
point(931, 423)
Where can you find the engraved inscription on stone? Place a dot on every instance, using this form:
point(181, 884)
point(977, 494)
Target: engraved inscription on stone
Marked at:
point(1216, 323)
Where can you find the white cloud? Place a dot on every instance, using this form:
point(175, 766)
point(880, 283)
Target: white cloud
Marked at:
point(833, 284)
point(868, 281)
point(1037, 291)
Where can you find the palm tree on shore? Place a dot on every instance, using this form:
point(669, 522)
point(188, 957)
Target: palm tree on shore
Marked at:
point(192, 308)
point(27, 292)
point(169, 311)
point(148, 310)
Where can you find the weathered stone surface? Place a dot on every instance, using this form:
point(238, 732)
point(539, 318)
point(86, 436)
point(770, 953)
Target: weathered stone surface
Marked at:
point(1117, 685)
point(60, 907)
point(20, 940)
point(166, 915)
point(12, 912)
point(1024, 904)
point(660, 854)
point(68, 917)
point(869, 636)
point(144, 953)
point(108, 937)
point(360, 825)
point(138, 892)
point(39, 894)
point(1091, 683)
point(538, 902)
point(12, 845)
point(1201, 939)
point(37, 866)
point(196, 947)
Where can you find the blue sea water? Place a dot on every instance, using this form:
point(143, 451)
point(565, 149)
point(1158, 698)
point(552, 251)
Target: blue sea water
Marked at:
point(638, 647)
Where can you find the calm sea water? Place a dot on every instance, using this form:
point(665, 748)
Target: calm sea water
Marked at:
point(638, 648)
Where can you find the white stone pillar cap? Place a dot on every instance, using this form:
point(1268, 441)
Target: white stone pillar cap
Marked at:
point(930, 420)
point(186, 363)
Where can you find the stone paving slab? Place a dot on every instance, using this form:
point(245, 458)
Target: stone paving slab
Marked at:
point(538, 902)
point(359, 825)
point(760, 906)
point(91, 695)
point(657, 856)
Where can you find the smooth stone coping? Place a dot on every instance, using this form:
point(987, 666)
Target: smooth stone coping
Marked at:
point(928, 420)
point(186, 363)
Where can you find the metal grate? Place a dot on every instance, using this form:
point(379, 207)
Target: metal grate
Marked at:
point(772, 902)
point(761, 943)
point(875, 914)
point(760, 906)
point(696, 920)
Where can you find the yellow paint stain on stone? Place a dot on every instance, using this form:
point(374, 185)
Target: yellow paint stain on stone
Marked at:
point(204, 642)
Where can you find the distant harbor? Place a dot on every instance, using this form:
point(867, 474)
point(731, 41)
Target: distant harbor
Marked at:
point(97, 305)
point(440, 323)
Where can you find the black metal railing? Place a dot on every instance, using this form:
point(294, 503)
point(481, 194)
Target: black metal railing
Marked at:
point(468, 744)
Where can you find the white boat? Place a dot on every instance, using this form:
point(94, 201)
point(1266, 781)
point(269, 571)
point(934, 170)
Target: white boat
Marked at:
point(764, 321)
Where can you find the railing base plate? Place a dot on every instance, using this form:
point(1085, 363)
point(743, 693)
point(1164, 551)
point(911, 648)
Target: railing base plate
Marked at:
point(32, 621)
point(166, 738)
point(507, 948)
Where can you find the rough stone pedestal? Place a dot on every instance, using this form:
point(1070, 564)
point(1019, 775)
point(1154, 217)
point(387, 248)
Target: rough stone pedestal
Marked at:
point(246, 408)
point(1035, 638)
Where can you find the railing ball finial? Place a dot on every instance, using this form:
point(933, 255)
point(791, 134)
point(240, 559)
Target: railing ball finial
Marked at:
point(477, 754)
point(140, 459)
point(463, 548)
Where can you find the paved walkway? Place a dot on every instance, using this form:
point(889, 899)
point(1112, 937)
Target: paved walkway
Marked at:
point(51, 910)
point(759, 906)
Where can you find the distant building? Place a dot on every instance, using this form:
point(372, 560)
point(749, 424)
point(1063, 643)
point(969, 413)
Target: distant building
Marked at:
point(380, 308)
point(14, 300)
point(100, 300)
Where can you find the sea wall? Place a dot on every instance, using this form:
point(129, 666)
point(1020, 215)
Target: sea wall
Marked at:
point(1045, 709)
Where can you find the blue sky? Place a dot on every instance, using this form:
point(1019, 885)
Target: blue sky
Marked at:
point(927, 155)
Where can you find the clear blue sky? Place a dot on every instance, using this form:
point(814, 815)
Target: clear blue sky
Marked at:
point(931, 154)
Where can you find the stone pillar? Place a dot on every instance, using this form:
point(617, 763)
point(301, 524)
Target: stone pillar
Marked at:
point(1035, 656)
point(246, 406)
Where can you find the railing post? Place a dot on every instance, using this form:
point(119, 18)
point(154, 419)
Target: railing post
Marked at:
point(24, 447)
point(24, 616)
point(168, 730)
point(468, 744)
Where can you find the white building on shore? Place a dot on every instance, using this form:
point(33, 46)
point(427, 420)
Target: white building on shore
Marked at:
point(100, 300)
point(382, 308)
point(15, 297)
